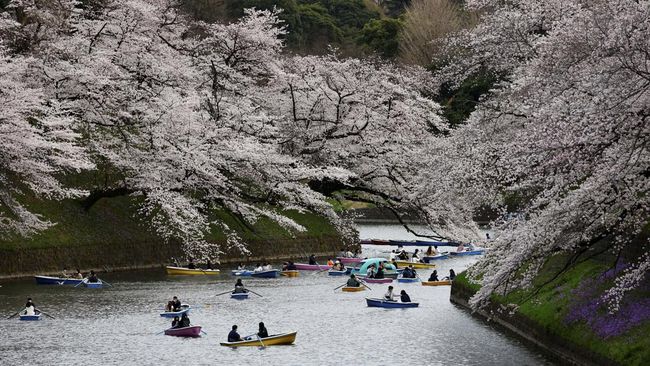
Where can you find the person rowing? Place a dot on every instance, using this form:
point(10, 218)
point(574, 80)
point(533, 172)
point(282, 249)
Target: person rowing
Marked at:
point(92, 277)
point(175, 322)
point(79, 275)
point(312, 260)
point(434, 276)
point(173, 305)
point(262, 332)
point(430, 252)
point(239, 287)
point(191, 264)
point(404, 297)
point(380, 272)
point(451, 276)
point(233, 336)
point(30, 308)
point(184, 322)
point(389, 296)
point(353, 282)
point(208, 265)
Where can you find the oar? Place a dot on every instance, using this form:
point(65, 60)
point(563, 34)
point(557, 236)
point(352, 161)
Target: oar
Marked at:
point(103, 281)
point(44, 313)
point(202, 331)
point(161, 332)
point(364, 285)
point(225, 292)
point(82, 281)
point(249, 290)
point(339, 287)
point(18, 312)
point(260, 339)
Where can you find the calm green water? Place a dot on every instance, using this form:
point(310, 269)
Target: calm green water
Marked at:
point(118, 325)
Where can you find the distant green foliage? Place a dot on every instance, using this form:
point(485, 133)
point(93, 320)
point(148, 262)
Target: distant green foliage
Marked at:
point(382, 36)
point(460, 102)
point(394, 8)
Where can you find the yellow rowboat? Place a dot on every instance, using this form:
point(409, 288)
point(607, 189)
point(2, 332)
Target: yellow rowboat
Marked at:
point(436, 283)
point(274, 340)
point(293, 273)
point(417, 265)
point(180, 271)
point(353, 289)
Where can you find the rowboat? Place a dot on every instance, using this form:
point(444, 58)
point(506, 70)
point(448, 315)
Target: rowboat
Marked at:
point(377, 280)
point(242, 273)
point(181, 271)
point(436, 283)
point(353, 289)
point(290, 273)
point(417, 265)
point(47, 280)
point(381, 303)
point(273, 340)
point(435, 257)
point(311, 267)
point(408, 280)
point(98, 284)
point(469, 252)
point(273, 273)
point(361, 269)
point(30, 317)
point(185, 308)
point(239, 295)
point(191, 331)
point(332, 272)
point(346, 260)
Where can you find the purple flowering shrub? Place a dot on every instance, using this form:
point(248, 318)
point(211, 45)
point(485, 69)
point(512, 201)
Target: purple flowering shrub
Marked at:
point(587, 305)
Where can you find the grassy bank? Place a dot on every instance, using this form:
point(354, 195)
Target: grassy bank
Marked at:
point(569, 310)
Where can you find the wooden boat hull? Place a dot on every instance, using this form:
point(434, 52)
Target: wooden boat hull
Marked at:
point(180, 271)
point(242, 273)
point(290, 273)
point(377, 280)
point(47, 280)
point(239, 296)
point(274, 273)
point(416, 265)
point(436, 283)
point(380, 303)
point(30, 317)
point(435, 257)
point(171, 314)
point(346, 260)
point(469, 252)
point(192, 331)
point(311, 267)
point(283, 339)
point(408, 280)
point(353, 289)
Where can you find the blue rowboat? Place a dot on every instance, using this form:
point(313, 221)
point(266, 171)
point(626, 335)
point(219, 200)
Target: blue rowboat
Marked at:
point(31, 317)
point(381, 303)
point(47, 280)
point(408, 280)
point(274, 273)
point(170, 314)
point(332, 272)
point(435, 257)
point(469, 252)
point(239, 295)
point(98, 284)
point(242, 273)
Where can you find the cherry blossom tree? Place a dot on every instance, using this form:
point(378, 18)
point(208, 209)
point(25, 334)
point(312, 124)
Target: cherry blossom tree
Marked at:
point(566, 132)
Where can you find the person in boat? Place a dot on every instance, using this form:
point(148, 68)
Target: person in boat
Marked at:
point(30, 308)
point(258, 268)
point(208, 265)
point(404, 297)
point(184, 322)
point(407, 273)
point(241, 267)
point(233, 336)
point(380, 272)
point(392, 255)
point(370, 272)
point(389, 294)
point(330, 263)
point(176, 304)
point(262, 332)
point(284, 266)
point(403, 255)
point(191, 265)
point(353, 282)
point(92, 277)
point(487, 236)
point(64, 273)
point(434, 276)
point(175, 322)
point(430, 252)
point(239, 287)
point(470, 247)
point(341, 266)
point(268, 266)
point(460, 248)
point(169, 307)
point(312, 260)
point(79, 274)
point(416, 256)
point(451, 276)
point(291, 266)
point(394, 262)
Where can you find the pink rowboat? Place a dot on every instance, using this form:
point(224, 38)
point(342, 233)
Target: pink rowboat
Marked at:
point(193, 331)
point(346, 260)
point(311, 267)
point(377, 280)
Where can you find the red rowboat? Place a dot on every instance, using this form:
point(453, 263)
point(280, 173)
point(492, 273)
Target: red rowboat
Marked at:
point(193, 331)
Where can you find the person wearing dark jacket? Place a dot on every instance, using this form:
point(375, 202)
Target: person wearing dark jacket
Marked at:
point(380, 272)
point(176, 304)
point(233, 336)
point(312, 260)
point(175, 322)
point(184, 322)
point(404, 296)
point(262, 332)
point(434, 276)
point(92, 277)
point(239, 287)
point(353, 282)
